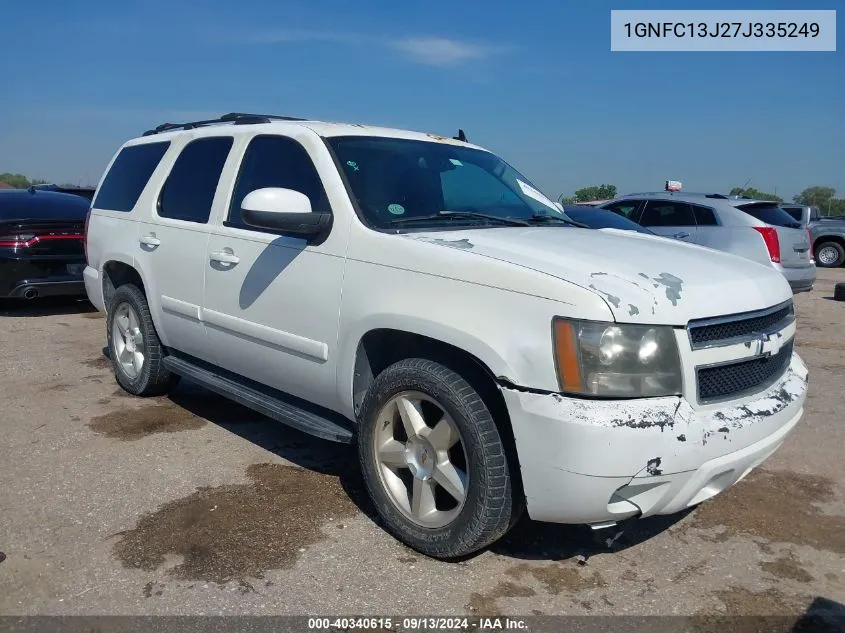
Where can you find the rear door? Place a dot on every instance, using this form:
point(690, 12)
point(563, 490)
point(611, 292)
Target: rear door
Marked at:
point(670, 218)
point(708, 231)
point(793, 238)
point(172, 248)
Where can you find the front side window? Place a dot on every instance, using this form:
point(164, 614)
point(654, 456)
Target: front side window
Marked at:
point(276, 161)
point(395, 180)
point(667, 213)
point(625, 208)
point(189, 190)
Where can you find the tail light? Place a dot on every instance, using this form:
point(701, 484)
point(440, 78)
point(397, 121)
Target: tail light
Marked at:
point(85, 235)
point(770, 237)
point(27, 238)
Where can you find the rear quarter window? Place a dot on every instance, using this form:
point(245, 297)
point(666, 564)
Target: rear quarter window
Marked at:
point(770, 214)
point(128, 176)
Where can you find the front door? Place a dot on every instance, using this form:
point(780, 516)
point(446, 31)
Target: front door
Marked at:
point(272, 301)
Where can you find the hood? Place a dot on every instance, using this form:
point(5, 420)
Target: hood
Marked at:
point(642, 278)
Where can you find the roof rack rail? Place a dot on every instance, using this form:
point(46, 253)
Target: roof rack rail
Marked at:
point(235, 118)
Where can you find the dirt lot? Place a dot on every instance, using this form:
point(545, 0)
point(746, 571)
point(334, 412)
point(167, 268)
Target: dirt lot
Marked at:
point(192, 505)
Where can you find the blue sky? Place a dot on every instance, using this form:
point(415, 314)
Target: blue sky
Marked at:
point(535, 82)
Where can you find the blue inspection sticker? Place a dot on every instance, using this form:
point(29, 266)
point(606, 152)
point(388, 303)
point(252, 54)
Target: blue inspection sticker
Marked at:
point(396, 209)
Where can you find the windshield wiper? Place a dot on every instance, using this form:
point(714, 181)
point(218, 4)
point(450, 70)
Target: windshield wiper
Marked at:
point(542, 218)
point(459, 215)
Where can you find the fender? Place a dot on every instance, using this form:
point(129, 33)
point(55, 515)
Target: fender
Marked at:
point(483, 351)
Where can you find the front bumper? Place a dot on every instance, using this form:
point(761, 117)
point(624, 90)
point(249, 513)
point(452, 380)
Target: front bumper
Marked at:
point(594, 461)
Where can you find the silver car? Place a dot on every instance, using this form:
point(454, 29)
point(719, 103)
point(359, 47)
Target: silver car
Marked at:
point(754, 229)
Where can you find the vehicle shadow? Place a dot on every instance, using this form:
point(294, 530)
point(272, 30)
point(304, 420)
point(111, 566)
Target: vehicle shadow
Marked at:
point(48, 306)
point(533, 540)
point(528, 540)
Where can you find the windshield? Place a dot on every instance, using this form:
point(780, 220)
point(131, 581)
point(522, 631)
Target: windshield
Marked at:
point(603, 219)
point(397, 181)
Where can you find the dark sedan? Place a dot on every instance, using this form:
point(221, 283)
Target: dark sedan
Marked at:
point(596, 218)
point(42, 243)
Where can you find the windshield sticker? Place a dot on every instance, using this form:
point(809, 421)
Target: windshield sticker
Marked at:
point(396, 209)
point(352, 164)
point(456, 162)
point(531, 192)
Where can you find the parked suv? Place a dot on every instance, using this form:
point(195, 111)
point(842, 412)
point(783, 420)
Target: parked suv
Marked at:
point(416, 295)
point(827, 233)
point(758, 230)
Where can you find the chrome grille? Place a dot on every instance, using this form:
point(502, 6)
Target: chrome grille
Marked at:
point(741, 327)
point(730, 380)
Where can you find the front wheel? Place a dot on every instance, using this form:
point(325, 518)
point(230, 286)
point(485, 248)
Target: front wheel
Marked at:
point(830, 255)
point(433, 460)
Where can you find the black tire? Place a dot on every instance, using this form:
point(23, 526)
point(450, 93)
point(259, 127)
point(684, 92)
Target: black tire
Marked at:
point(489, 510)
point(839, 292)
point(153, 379)
point(837, 247)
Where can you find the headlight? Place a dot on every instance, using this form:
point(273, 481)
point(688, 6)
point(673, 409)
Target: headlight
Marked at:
point(616, 360)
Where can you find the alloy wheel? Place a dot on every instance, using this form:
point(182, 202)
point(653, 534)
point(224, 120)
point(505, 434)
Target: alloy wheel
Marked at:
point(420, 459)
point(127, 340)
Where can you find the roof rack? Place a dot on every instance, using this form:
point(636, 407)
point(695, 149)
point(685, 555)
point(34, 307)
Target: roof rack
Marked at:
point(235, 118)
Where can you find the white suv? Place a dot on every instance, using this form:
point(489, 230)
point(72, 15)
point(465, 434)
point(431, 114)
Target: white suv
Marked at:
point(416, 295)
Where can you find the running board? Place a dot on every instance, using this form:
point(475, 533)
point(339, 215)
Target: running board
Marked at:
point(270, 402)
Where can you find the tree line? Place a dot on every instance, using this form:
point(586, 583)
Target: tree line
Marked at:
point(818, 196)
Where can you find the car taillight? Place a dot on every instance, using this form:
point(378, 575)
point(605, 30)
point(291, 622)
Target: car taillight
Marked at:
point(28, 238)
point(770, 237)
point(85, 235)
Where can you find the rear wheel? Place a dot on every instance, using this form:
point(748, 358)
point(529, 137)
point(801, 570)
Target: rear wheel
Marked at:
point(433, 460)
point(134, 347)
point(830, 255)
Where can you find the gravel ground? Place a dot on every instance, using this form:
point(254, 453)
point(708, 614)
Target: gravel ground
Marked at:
point(192, 505)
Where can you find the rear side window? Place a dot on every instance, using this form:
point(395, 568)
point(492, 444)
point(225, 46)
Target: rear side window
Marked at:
point(796, 214)
point(189, 190)
point(276, 161)
point(770, 214)
point(667, 213)
point(128, 176)
point(704, 216)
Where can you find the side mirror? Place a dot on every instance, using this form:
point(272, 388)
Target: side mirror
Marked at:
point(283, 210)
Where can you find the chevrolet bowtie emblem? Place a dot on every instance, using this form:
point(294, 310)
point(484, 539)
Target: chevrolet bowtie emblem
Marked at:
point(769, 344)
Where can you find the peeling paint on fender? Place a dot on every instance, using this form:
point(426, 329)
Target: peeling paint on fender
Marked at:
point(460, 244)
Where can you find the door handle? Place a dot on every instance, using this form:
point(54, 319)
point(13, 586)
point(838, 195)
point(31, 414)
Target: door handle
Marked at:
point(150, 240)
point(680, 236)
point(224, 257)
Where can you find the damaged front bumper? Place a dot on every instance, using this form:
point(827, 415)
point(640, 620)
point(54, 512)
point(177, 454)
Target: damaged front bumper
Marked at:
point(594, 461)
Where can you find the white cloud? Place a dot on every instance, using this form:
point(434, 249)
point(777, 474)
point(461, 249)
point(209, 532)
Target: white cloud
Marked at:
point(440, 51)
point(432, 51)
